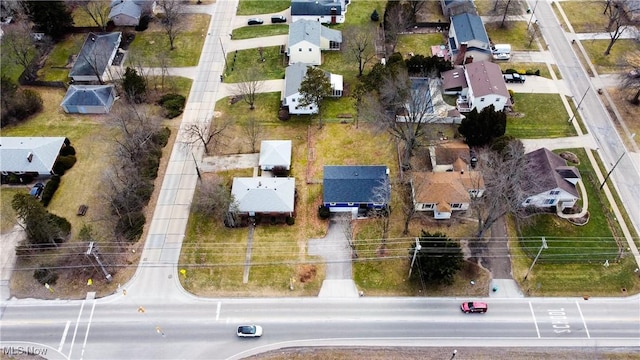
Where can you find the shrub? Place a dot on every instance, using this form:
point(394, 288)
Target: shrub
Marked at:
point(67, 150)
point(291, 220)
point(173, 104)
point(63, 224)
point(45, 275)
point(143, 24)
point(324, 212)
point(375, 16)
point(50, 189)
point(134, 86)
point(161, 138)
point(511, 71)
point(63, 163)
point(131, 225)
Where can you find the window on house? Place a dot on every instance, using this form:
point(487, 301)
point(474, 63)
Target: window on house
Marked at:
point(350, 204)
point(481, 99)
point(549, 201)
point(497, 100)
point(554, 192)
point(528, 201)
point(300, 49)
point(456, 206)
point(332, 204)
point(309, 49)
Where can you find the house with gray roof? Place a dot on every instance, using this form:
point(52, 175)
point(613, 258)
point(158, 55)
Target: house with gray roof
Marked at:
point(307, 39)
point(89, 99)
point(95, 57)
point(269, 199)
point(290, 97)
point(356, 189)
point(468, 39)
point(322, 11)
point(551, 181)
point(29, 155)
point(129, 12)
point(275, 154)
point(455, 7)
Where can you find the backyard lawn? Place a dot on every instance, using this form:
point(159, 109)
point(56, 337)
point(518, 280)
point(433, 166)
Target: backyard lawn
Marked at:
point(540, 116)
point(418, 43)
point(57, 65)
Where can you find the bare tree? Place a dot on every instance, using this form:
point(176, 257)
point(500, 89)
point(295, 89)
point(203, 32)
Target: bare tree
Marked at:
point(507, 182)
point(173, 19)
point(21, 45)
point(415, 6)
point(136, 127)
point(382, 195)
point(532, 33)
point(396, 21)
point(403, 108)
point(630, 80)
point(620, 16)
point(359, 45)
point(253, 131)
point(249, 86)
point(208, 135)
point(345, 223)
point(213, 198)
point(98, 11)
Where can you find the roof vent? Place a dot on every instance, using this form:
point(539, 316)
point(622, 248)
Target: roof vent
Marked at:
point(30, 157)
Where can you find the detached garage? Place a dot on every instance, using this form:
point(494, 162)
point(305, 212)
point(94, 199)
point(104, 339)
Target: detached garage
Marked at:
point(89, 99)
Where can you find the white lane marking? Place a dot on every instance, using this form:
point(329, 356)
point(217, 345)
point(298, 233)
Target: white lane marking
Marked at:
point(86, 334)
point(535, 322)
point(64, 336)
point(218, 310)
point(583, 321)
point(73, 339)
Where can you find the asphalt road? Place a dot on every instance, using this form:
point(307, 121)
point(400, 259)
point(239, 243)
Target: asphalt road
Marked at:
point(119, 328)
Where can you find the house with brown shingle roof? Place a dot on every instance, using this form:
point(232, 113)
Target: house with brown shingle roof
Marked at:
point(451, 185)
point(481, 86)
point(554, 182)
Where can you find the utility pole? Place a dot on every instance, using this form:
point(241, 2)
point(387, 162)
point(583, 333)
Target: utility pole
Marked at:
point(532, 13)
point(614, 165)
point(415, 253)
point(93, 251)
point(544, 246)
point(578, 107)
point(197, 169)
point(224, 55)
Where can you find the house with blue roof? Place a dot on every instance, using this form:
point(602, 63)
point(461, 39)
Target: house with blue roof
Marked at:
point(290, 96)
point(96, 55)
point(322, 11)
point(307, 39)
point(89, 99)
point(455, 7)
point(468, 39)
point(356, 189)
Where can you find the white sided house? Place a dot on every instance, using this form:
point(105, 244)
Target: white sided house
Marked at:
point(554, 182)
point(478, 85)
point(291, 98)
point(307, 40)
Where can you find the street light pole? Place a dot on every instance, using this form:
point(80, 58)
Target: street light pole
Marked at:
point(224, 55)
point(579, 103)
point(454, 354)
point(614, 165)
point(532, 13)
point(544, 246)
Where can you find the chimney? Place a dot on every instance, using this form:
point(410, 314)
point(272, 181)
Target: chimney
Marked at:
point(468, 60)
point(461, 54)
point(30, 157)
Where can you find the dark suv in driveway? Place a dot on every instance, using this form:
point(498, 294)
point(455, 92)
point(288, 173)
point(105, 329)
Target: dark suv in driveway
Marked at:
point(36, 190)
point(277, 19)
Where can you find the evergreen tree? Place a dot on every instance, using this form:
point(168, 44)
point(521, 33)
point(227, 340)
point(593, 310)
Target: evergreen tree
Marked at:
point(53, 18)
point(482, 128)
point(438, 258)
point(314, 88)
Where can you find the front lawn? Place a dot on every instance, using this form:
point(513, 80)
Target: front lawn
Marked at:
point(249, 32)
point(514, 33)
point(152, 43)
point(539, 116)
point(609, 63)
point(254, 7)
point(522, 68)
point(585, 16)
point(240, 60)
